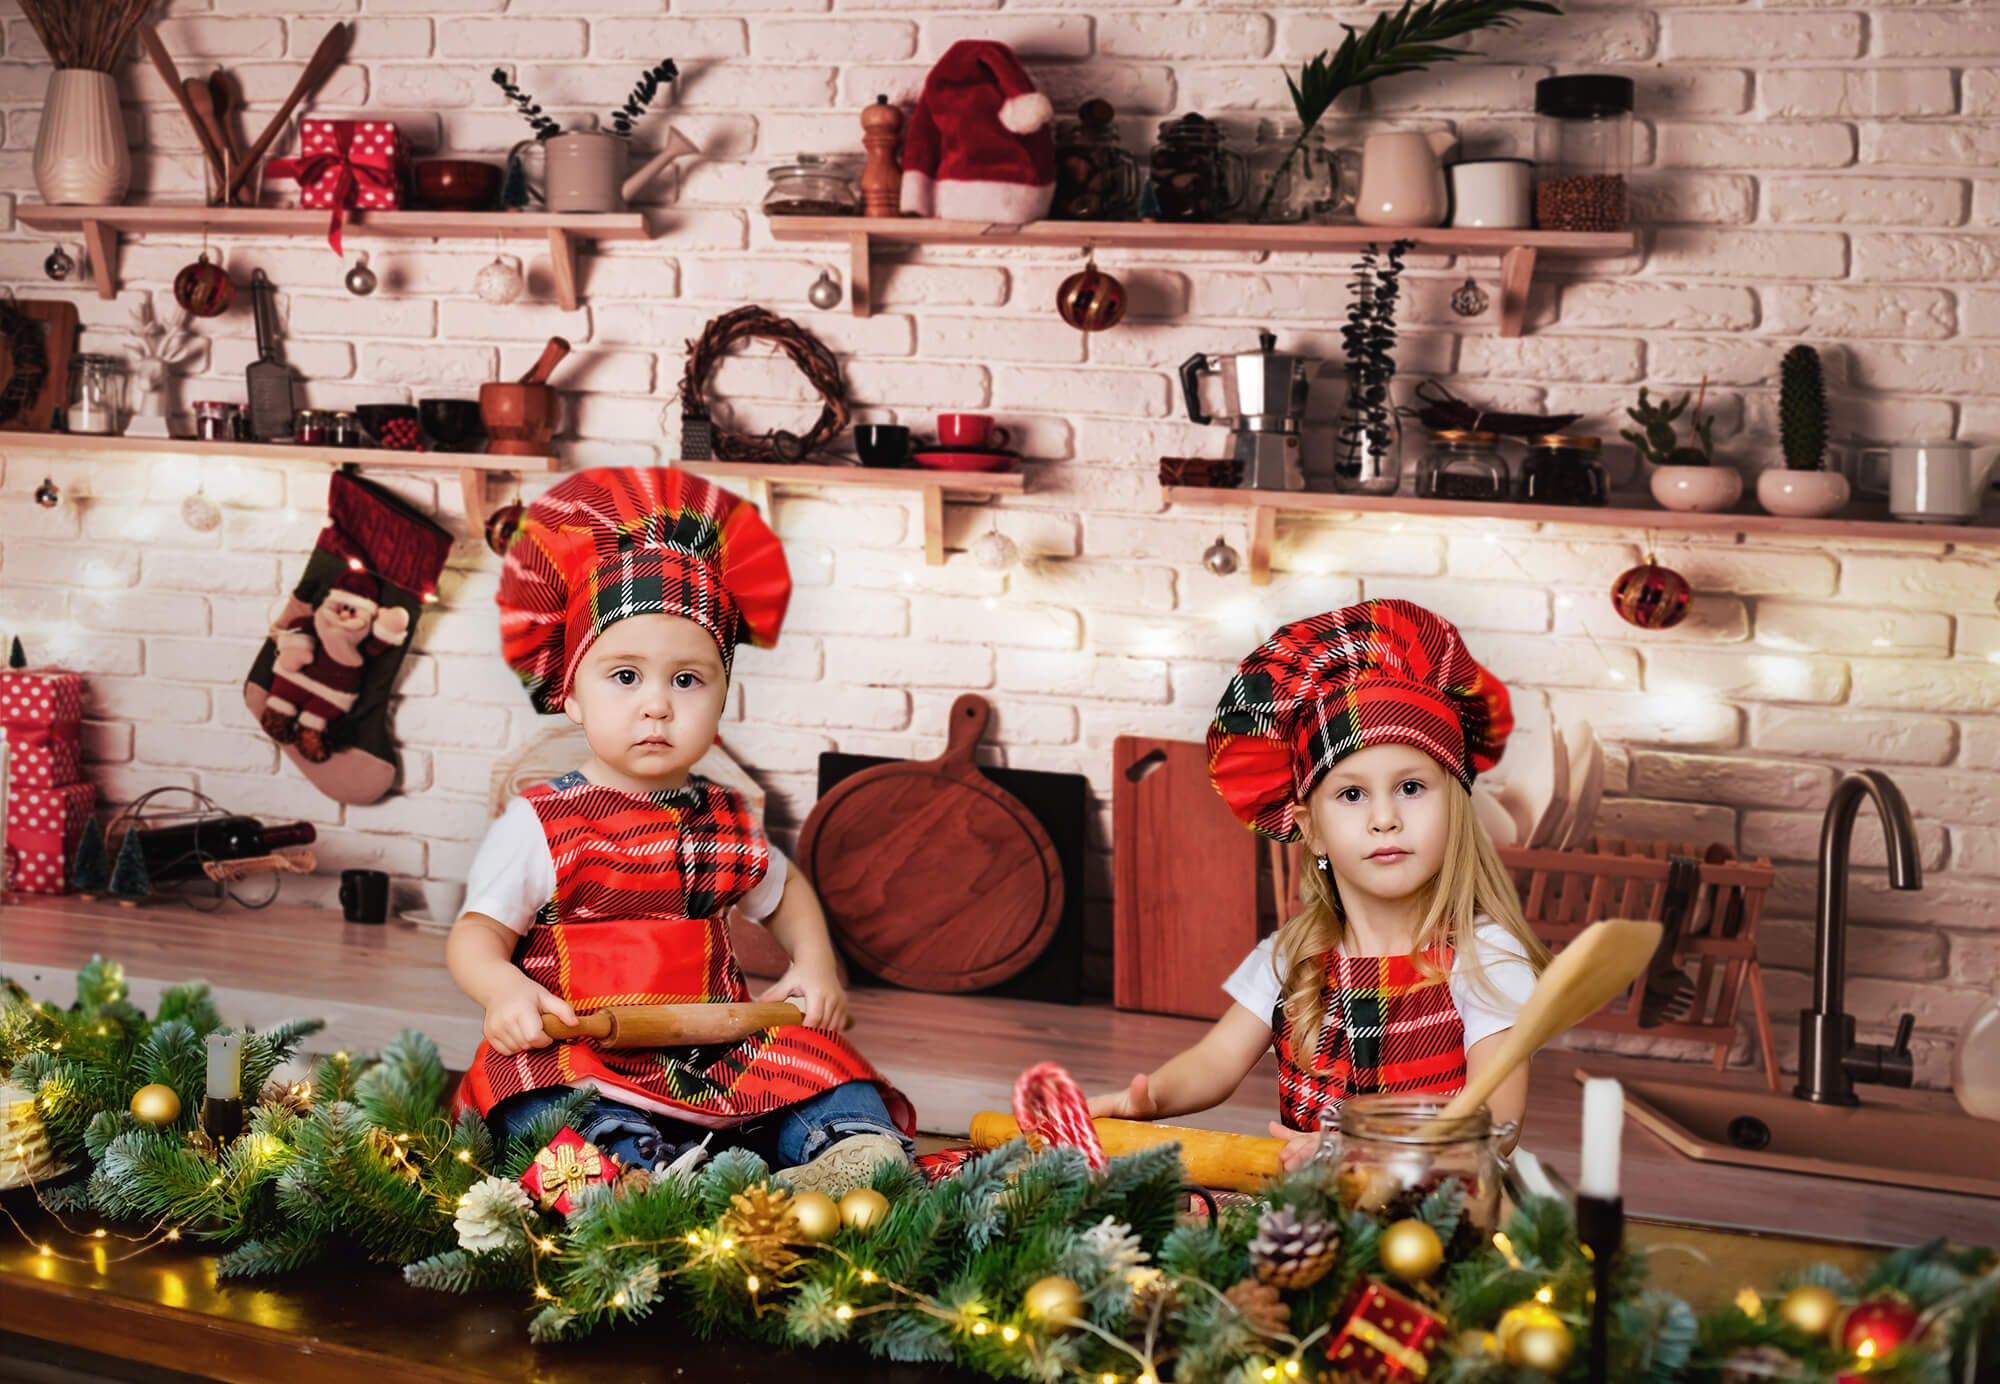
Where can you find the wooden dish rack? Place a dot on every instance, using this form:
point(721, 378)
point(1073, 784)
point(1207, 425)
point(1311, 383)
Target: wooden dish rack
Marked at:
point(1563, 892)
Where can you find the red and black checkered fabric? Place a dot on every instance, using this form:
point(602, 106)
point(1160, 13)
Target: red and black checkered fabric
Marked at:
point(1388, 1027)
point(616, 542)
point(643, 884)
point(1378, 673)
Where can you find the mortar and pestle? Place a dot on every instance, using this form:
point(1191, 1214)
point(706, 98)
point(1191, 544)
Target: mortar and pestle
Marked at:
point(521, 415)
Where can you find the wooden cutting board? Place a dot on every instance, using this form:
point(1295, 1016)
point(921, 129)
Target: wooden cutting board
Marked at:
point(1184, 880)
point(931, 876)
point(58, 319)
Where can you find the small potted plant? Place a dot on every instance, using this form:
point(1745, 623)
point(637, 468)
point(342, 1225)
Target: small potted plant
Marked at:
point(1802, 488)
point(1684, 474)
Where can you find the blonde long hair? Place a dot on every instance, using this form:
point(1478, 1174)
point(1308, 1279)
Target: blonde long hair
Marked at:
point(1471, 881)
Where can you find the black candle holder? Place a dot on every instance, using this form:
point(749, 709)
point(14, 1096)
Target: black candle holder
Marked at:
point(1600, 1229)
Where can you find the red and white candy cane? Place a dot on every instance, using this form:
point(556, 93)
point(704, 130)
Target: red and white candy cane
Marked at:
point(1050, 1107)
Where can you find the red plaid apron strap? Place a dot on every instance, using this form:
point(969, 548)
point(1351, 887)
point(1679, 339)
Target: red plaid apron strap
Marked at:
point(1389, 1027)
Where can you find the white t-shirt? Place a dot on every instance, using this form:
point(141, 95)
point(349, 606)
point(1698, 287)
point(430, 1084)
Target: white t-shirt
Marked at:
point(514, 875)
point(1254, 985)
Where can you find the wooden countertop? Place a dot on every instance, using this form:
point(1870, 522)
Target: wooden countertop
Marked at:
point(954, 1055)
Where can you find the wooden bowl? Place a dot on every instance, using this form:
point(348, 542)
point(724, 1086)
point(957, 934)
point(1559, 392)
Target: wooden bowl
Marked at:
point(520, 418)
point(457, 184)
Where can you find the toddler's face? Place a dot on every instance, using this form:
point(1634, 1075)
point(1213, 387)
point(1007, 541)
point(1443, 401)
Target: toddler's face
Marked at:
point(649, 694)
point(1380, 818)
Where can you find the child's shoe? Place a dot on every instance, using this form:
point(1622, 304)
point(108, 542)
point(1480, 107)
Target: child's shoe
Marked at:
point(844, 1165)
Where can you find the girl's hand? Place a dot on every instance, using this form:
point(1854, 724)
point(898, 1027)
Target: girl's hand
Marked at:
point(1135, 1102)
point(514, 1019)
point(816, 989)
point(1299, 1148)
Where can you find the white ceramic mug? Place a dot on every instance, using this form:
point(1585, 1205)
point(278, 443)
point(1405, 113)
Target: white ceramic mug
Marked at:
point(1495, 193)
point(443, 899)
point(1933, 482)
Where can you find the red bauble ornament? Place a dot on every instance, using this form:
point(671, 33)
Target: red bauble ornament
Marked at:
point(204, 289)
point(1091, 300)
point(500, 527)
point(1651, 596)
point(1878, 1326)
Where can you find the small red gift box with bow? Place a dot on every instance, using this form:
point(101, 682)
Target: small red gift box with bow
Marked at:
point(565, 1167)
point(347, 165)
point(43, 827)
point(39, 712)
point(1387, 1336)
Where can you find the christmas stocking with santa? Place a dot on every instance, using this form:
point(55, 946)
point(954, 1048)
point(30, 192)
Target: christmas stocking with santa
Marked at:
point(321, 684)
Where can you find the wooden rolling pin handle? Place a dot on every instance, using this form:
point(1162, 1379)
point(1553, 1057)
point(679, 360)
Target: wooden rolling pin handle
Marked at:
point(598, 1025)
point(1210, 1158)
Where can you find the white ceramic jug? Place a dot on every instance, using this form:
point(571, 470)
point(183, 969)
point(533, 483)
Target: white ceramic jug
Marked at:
point(1931, 482)
point(1401, 177)
point(586, 171)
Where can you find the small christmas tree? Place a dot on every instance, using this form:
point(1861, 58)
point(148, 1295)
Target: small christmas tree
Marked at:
point(17, 657)
point(90, 870)
point(129, 880)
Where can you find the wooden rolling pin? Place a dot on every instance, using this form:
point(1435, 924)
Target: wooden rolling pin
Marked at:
point(674, 1025)
point(1210, 1158)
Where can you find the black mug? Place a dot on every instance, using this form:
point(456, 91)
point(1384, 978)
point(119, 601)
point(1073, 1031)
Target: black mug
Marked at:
point(364, 896)
point(882, 444)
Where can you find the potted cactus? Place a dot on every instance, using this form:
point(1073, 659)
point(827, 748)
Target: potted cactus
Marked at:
point(1802, 488)
point(1684, 476)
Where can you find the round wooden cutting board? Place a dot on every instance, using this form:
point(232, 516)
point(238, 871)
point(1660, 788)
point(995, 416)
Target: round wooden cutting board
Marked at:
point(932, 877)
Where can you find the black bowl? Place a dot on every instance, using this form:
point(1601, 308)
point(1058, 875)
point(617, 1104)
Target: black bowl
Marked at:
point(376, 417)
point(452, 425)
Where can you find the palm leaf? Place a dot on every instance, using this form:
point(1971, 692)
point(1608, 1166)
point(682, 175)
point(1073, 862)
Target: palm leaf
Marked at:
point(1406, 41)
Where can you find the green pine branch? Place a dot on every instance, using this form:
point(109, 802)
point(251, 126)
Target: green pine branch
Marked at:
point(191, 1004)
point(403, 1092)
point(281, 1254)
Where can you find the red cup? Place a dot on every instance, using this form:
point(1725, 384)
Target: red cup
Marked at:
point(970, 430)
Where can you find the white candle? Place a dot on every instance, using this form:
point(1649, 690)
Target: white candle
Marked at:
point(225, 1066)
point(1603, 1127)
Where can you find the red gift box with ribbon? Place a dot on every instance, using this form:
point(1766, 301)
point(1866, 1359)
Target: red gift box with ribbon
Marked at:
point(38, 758)
point(347, 165)
point(1387, 1337)
point(43, 827)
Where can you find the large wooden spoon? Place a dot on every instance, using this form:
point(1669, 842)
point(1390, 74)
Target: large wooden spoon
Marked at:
point(163, 63)
point(1586, 975)
point(332, 49)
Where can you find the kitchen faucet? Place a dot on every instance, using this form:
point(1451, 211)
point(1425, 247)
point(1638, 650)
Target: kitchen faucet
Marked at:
point(1830, 1061)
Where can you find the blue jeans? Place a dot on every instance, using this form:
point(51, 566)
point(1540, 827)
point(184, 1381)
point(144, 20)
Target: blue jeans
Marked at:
point(785, 1138)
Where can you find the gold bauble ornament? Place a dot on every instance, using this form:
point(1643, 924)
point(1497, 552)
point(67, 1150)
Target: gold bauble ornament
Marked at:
point(817, 1215)
point(863, 1209)
point(1534, 1337)
point(1474, 1343)
point(1054, 1301)
point(1809, 1309)
point(1411, 1251)
point(156, 1105)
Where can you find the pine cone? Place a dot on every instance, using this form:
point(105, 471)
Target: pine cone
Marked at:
point(1261, 1306)
point(633, 1182)
point(294, 1096)
point(1290, 1252)
point(764, 1226)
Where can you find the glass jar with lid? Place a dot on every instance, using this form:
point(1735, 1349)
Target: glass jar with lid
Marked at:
point(1387, 1160)
point(1563, 469)
point(811, 185)
point(215, 420)
point(96, 394)
point(1192, 177)
point(1291, 180)
point(1583, 152)
point(1097, 179)
point(1462, 465)
point(309, 427)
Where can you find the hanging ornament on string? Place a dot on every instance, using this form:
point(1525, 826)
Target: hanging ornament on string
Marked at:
point(203, 288)
point(825, 291)
point(360, 278)
point(59, 265)
point(1469, 300)
point(1220, 559)
point(995, 551)
point(48, 495)
point(1090, 299)
point(501, 526)
point(500, 282)
point(200, 513)
point(1650, 596)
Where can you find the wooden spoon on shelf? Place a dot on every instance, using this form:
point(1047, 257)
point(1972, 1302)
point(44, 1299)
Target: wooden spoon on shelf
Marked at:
point(222, 92)
point(163, 63)
point(332, 49)
point(201, 100)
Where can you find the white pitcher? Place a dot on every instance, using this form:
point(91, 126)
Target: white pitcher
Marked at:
point(1931, 482)
point(1401, 177)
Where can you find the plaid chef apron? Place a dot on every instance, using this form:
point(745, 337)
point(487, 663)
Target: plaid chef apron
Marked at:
point(643, 884)
point(1389, 1027)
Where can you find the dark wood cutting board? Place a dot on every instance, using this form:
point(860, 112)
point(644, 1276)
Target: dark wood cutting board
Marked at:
point(931, 876)
point(1184, 880)
point(58, 319)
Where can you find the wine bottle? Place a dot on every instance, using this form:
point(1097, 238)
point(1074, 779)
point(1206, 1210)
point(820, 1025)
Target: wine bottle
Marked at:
point(177, 852)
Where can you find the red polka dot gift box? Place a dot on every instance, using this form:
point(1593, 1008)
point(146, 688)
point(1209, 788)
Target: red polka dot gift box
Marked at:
point(347, 165)
point(43, 827)
point(40, 710)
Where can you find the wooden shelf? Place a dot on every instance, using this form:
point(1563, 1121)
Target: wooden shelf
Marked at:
point(1266, 505)
point(934, 486)
point(1518, 250)
point(101, 227)
point(474, 469)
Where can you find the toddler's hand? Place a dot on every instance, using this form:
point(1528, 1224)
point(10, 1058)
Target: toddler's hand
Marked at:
point(1299, 1148)
point(817, 992)
point(1135, 1102)
point(514, 1020)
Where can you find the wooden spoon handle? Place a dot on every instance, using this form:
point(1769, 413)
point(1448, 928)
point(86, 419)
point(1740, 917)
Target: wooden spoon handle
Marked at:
point(673, 1025)
point(202, 103)
point(545, 364)
point(319, 67)
point(163, 63)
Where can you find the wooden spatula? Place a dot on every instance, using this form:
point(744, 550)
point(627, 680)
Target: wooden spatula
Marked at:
point(163, 63)
point(1586, 975)
point(332, 49)
point(674, 1025)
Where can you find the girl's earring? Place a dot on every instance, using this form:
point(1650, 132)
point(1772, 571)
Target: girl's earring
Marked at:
point(1324, 867)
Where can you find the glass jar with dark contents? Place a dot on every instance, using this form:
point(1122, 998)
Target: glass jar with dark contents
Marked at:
point(1193, 178)
point(309, 427)
point(1388, 1158)
point(1096, 178)
point(1462, 465)
point(1563, 469)
point(1583, 152)
point(811, 185)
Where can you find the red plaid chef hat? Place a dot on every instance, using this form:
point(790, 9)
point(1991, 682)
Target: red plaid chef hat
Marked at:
point(620, 541)
point(1378, 673)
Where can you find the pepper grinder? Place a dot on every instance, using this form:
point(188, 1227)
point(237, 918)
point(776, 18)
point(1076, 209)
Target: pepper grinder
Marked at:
point(882, 180)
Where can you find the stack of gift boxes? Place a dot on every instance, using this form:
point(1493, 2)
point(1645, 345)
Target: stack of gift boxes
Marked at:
point(47, 802)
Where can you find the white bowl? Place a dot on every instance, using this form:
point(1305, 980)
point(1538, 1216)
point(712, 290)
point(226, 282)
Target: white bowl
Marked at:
point(1700, 489)
point(1802, 494)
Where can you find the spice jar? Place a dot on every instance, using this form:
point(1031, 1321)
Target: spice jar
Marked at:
point(309, 427)
point(811, 185)
point(1096, 179)
point(1583, 152)
point(215, 420)
point(1193, 178)
point(1387, 1162)
point(96, 394)
point(343, 429)
point(1462, 465)
point(1290, 180)
point(1563, 469)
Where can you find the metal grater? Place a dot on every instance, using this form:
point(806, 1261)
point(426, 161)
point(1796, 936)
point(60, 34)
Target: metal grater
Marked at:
point(268, 379)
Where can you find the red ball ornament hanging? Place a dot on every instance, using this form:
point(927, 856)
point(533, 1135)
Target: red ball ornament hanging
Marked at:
point(500, 527)
point(1090, 299)
point(204, 289)
point(1878, 1326)
point(1651, 596)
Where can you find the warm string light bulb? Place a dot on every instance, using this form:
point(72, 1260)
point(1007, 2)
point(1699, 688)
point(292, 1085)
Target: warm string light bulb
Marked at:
point(752, 1282)
point(844, 1312)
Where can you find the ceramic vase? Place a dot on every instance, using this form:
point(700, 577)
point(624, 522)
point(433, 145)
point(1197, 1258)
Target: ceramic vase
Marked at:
point(1802, 494)
point(1975, 1064)
point(81, 157)
point(1697, 489)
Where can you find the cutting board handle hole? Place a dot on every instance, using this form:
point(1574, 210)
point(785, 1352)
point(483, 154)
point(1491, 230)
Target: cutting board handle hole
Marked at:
point(1145, 764)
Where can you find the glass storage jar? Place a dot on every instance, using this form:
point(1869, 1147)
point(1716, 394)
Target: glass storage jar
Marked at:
point(811, 185)
point(1193, 178)
point(1386, 1162)
point(1462, 465)
point(1583, 152)
point(96, 394)
point(1287, 186)
point(1097, 179)
point(343, 429)
point(1563, 469)
point(215, 420)
point(309, 427)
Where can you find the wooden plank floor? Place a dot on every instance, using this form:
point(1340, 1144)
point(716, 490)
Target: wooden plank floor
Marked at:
point(953, 1055)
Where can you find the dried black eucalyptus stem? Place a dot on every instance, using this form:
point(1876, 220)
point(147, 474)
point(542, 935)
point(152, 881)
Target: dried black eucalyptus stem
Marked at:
point(545, 128)
point(647, 87)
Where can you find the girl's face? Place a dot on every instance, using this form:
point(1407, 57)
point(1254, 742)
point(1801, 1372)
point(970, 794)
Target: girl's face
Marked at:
point(649, 694)
point(1380, 819)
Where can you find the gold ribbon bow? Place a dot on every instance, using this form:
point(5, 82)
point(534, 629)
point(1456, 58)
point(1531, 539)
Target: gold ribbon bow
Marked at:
point(567, 1168)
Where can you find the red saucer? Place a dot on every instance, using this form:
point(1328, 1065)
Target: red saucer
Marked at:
point(966, 460)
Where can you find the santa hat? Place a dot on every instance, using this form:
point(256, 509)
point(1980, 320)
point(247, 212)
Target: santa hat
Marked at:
point(1378, 673)
point(360, 589)
point(620, 541)
point(978, 146)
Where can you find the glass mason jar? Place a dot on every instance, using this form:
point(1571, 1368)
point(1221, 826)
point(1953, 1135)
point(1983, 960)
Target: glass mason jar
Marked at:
point(1365, 444)
point(1193, 178)
point(1563, 469)
point(1384, 1166)
point(215, 420)
point(1288, 187)
point(1462, 465)
point(811, 185)
point(1583, 152)
point(343, 429)
point(309, 427)
point(1097, 179)
point(96, 394)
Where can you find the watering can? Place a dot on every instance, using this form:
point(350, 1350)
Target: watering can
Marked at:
point(586, 171)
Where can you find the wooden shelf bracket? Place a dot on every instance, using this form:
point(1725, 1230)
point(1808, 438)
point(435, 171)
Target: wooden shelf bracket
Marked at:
point(102, 249)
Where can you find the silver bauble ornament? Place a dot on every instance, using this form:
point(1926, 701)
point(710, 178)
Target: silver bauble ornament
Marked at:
point(825, 291)
point(1221, 559)
point(1470, 299)
point(500, 282)
point(360, 279)
point(59, 265)
point(47, 495)
point(995, 551)
point(200, 513)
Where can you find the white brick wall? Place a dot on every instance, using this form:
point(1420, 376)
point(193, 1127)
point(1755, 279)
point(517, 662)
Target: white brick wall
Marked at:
point(1808, 171)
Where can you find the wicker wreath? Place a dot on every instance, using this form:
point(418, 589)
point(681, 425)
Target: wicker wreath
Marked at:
point(813, 359)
